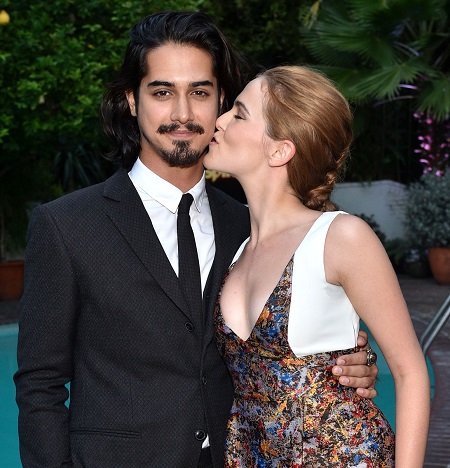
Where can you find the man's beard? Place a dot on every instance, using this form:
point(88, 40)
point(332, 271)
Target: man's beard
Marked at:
point(182, 154)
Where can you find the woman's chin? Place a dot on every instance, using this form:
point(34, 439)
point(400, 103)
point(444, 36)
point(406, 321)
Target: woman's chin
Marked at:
point(207, 162)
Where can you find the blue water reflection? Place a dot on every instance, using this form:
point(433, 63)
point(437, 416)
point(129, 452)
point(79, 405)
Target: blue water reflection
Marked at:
point(9, 445)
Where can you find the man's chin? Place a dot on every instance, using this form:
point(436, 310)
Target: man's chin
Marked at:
point(184, 164)
point(189, 159)
point(179, 160)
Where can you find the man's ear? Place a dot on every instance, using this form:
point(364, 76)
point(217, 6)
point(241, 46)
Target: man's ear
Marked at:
point(221, 98)
point(283, 153)
point(131, 102)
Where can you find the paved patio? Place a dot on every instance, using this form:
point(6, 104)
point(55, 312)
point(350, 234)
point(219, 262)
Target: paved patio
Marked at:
point(424, 297)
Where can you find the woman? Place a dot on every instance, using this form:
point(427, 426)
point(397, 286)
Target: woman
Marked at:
point(291, 302)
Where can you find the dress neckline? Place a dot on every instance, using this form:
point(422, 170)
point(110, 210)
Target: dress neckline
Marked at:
point(238, 254)
point(262, 313)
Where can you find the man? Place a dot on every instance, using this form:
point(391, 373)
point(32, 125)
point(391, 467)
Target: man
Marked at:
point(103, 308)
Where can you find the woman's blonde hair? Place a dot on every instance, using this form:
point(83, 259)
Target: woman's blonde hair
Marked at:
point(304, 106)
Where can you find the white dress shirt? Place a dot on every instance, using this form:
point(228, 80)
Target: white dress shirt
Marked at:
point(161, 200)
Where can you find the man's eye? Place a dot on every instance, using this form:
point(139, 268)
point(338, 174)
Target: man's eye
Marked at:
point(162, 93)
point(200, 92)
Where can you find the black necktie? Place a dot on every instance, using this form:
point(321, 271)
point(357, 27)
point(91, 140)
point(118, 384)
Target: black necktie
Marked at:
point(188, 266)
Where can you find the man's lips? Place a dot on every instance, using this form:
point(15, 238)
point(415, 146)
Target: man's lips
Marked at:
point(182, 134)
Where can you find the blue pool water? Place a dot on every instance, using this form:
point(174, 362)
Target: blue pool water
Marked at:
point(9, 446)
point(385, 385)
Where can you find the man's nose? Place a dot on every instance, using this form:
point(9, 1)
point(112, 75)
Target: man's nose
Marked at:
point(182, 110)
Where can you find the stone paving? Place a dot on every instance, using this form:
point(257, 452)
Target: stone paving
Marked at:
point(424, 298)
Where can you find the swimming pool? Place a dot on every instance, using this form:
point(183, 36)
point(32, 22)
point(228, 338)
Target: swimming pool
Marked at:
point(9, 446)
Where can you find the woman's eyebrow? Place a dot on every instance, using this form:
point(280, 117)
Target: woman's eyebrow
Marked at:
point(242, 106)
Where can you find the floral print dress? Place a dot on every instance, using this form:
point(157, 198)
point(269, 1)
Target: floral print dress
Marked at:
point(290, 411)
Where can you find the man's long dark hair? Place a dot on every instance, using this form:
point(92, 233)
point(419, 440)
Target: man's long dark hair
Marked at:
point(190, 28)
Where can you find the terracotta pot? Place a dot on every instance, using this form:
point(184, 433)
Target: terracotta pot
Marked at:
point(11, 280)
point(440, 264)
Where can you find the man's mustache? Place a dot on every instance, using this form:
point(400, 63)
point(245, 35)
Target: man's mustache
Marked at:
point(191, 127)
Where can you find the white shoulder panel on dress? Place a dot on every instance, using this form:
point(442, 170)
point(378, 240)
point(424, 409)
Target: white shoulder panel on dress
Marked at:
point(321, 316)
point(240, 250)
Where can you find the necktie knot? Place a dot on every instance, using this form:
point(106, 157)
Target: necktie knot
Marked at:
point(185, 204)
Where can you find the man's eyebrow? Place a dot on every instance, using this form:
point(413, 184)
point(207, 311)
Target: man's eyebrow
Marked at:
point(168, 84)
point(241, 105)
point(155, 83)
point(196, 84)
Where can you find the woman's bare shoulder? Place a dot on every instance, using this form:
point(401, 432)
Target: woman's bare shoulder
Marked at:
point(350, 228)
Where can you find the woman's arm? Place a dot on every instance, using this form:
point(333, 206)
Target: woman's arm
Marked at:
point(356, 259)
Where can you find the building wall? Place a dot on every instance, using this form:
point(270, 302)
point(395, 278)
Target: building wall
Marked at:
point(382, 199)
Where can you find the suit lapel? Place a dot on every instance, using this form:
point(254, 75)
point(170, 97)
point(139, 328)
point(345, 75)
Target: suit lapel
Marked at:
point(224, 222)
point(126, 210)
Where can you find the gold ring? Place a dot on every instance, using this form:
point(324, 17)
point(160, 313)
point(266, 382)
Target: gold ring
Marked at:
point(371, 357)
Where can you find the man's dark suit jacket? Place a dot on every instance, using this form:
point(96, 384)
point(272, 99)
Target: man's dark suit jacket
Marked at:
point(103, 310)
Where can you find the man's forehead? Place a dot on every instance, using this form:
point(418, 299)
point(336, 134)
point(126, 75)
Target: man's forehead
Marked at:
point(180, 65)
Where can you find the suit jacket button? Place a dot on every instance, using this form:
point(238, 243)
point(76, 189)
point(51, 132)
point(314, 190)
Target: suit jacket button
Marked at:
point(189, 326)
point(200, 435)
point(204, 380)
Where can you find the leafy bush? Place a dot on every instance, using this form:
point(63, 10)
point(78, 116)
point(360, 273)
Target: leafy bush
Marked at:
point(428, 211)
point(55, 58)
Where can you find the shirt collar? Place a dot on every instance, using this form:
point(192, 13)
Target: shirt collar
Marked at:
point(151, 186)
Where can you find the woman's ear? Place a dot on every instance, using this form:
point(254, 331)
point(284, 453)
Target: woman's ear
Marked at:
point(283, 153)
point(131, 102)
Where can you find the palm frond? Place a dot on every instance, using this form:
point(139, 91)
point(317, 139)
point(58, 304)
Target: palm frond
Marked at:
point(324, 53)
point(386, 83)
point(385, 50)
point(435, 98)
point(362, 10)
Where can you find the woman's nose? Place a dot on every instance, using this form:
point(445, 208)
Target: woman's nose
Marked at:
point(222, 121)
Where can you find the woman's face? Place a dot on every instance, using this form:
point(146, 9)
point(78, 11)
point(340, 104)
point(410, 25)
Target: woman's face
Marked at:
point(240, 142)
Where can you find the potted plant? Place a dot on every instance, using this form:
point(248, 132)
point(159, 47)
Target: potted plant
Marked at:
point(22, 182)
point(427, 218)
point(11, 268)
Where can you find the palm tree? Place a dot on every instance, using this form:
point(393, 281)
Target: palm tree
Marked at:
point(391, 59)
point(385, 50)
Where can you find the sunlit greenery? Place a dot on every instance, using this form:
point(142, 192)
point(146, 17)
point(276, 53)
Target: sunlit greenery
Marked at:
point(55, 58)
